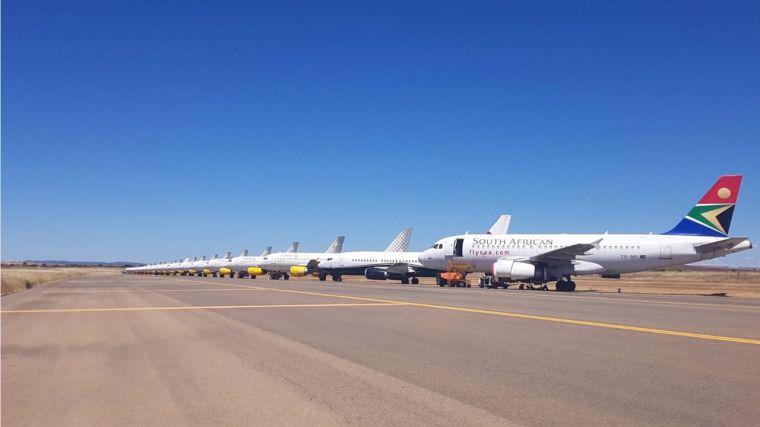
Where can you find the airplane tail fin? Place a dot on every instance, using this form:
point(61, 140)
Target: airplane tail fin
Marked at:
point(266, 251)
point(711, 216)
point(292, 248)
point(501, 226)
point(401, 242)
point(337, 246)
point(244, 253)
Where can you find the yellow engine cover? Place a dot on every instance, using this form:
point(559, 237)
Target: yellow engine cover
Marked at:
point(255, 271)
point(225, 271)
point(207, 271)
point(297, 271)
point(193, 271)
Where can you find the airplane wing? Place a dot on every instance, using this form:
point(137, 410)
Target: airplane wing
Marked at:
point(568, 253)
point(398, 268)
point(720, 244)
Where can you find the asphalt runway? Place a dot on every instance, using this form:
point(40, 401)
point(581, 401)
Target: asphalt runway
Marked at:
point(142, 350)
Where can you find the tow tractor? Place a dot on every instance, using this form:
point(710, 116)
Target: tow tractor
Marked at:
point(453, 279)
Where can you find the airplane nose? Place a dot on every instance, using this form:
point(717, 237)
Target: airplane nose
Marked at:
point(425, 257)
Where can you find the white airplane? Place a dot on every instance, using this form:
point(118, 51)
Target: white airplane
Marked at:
point(395, 263)
point(196, 266)
point(539, 258)
point(215, 266)
point(248, 265)
point(203, 266)
point(296, 264)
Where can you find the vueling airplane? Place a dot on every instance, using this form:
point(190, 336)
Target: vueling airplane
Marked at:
point(395, 263)
point(286, 264)
point(245, 265)
point(539, 258)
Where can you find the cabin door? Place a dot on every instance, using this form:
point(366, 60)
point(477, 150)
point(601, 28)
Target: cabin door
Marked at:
point(665, 249)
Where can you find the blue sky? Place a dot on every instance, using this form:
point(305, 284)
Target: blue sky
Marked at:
point(156, 130)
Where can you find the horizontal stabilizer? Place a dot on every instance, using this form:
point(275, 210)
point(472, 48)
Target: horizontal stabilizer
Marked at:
point(724, 244)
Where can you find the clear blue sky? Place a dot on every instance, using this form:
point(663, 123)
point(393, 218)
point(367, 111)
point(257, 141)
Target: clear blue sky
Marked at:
point(156, 130)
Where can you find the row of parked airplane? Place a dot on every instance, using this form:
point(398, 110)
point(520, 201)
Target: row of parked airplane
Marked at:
point(502, 258)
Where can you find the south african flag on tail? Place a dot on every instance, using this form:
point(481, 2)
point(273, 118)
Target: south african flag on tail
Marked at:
point(712, 214)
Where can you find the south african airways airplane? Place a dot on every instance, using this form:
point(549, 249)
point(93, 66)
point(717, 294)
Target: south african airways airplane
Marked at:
point(540, 258)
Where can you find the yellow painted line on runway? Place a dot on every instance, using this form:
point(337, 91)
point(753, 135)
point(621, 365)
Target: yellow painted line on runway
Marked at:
point(111, 291)
point(537, 317)
point(191, 307)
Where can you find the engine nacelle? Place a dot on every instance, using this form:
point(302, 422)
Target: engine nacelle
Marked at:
point(255, 271)
point(224, 271)
point(206, 271)
point(298, 271)
point(375, 274)
point(513, 270)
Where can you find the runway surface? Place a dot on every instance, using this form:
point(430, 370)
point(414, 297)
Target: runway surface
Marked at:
point(136, 350)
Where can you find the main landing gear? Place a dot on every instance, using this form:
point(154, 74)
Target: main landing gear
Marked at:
point(565, 285)
point(277, 276)
point(488, 282)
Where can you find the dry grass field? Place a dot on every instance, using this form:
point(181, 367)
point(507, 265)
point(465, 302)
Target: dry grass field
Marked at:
point(717, 283)
point(15, 279)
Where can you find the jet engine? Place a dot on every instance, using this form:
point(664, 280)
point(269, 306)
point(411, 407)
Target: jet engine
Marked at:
point(255, 271)
point(298, 271)
point(224, 271)
point(373, 273)
point(516, 270)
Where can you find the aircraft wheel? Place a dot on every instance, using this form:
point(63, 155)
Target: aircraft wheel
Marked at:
point(285, 277)
point(405, 281)
point(415, 281)
point(252, 276)
point(322, 277)
point(337, 278)
point(570, 286)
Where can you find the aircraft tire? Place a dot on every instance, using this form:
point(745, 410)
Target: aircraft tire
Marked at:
point(415, 281)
